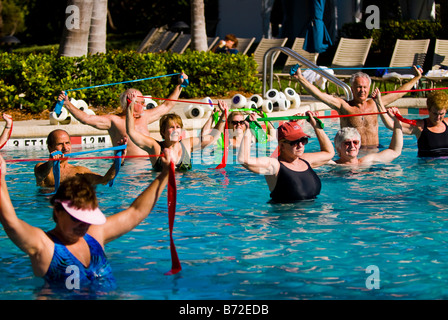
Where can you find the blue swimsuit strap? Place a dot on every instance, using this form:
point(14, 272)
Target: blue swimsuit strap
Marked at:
point(57, 164)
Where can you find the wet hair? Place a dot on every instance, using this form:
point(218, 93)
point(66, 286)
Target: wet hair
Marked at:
point(346, 133)
point(437, 100)
point(360, 75)
point(166, 119)
point(51, 138)
point(233, 38)
point(79, 191)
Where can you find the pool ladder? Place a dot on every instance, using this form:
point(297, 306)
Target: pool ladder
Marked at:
point(271, 54)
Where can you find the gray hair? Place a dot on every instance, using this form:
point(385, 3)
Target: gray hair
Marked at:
point(346, 133)
point(360, 75)
point(124, 96)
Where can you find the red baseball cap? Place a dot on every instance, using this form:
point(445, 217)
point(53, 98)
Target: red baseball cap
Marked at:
point(290, 131)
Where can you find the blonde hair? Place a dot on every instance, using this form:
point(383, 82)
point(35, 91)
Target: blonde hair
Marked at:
point(168, 118)
point(437, 100)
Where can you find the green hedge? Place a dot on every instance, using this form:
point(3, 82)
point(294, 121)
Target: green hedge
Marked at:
point(33, 81)
point(385, 37)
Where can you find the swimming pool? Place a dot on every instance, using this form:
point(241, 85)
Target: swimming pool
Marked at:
point(234, 245)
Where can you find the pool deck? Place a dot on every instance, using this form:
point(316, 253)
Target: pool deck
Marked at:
point(33, 133)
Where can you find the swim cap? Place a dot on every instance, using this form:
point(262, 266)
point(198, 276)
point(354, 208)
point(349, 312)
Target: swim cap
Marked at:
point(290, 131)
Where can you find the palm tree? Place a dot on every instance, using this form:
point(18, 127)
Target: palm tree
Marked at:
point(97, 36)
point(198, 33)
point(84, 28)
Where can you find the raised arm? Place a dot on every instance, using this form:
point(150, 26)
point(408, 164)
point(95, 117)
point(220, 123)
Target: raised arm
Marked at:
point(263, 165)
point(391, 97)
point(155, 113)
point(124, 221)
point(208, 136)
point(96, 121)
point(388, 121)
point(395, 147)
point(28, 238)
point(6, 130)
point(333, 102)
point(326, 152)
point(142, 141)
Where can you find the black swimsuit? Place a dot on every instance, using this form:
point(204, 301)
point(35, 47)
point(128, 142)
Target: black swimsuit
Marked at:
point(183, 165)
point(431, 144)
point(295, 186)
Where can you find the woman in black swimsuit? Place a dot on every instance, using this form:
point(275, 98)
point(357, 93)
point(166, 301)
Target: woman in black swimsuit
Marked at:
point(290, 177)
point(431, 132)
point(171, 131)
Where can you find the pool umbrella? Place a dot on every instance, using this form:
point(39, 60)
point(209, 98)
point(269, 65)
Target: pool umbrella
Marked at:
point(317, 38)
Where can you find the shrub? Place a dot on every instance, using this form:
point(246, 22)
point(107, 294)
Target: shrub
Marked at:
point(33, 81)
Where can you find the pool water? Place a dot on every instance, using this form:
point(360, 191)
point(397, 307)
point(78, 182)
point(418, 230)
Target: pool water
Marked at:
point(233, 244)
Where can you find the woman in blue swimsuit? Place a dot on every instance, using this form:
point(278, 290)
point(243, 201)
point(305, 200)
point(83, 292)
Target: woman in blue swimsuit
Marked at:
point(75, 247)
point(290, 177)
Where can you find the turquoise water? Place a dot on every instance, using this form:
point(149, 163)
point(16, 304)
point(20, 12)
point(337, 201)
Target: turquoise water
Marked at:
point(233, 244)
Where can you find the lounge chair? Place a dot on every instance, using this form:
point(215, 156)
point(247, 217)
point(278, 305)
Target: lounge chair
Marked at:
point(153, 35)
point(211, 42)
point(406, 54)
point(439, 72)
point(163, 42)
point(265, 45)
point(244, 44)
point(181, 43)
point(297, 46)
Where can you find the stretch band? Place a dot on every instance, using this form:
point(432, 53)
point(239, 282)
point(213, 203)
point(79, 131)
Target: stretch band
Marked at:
point(57, 163)
point(172, 198)
point(225, 145)
point(415, 90)
point(183, 101)
point(60, 104)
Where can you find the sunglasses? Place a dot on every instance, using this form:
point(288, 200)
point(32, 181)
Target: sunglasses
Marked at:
point(234, 122)
point(303, 141)
point(349, 142)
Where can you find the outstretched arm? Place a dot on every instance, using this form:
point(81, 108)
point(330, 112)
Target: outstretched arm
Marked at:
point(208, 136)
point(155, 113)
point(263, 165)
point(391, 97)
point(142, 141)
point(395, 147)
point(333, 102)
point(124, 221)
point(6, 130)
point(28, 238)
point(98, 122)
point(388, 121)
point(326, 152)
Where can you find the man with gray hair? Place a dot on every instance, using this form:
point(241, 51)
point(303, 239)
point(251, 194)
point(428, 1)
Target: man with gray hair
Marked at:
point(360, 85)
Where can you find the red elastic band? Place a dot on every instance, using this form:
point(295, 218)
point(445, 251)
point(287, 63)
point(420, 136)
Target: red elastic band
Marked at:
point(172, 195)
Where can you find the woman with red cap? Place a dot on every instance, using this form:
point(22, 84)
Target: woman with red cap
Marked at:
point(290, 177)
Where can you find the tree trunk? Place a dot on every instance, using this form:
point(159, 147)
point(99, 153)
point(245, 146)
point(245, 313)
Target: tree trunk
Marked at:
point(76, 29)
point(98, 25)
point(198, 32)
point(1, 19)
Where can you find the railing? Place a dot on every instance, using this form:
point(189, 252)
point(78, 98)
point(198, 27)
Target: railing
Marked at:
point(345, 87)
